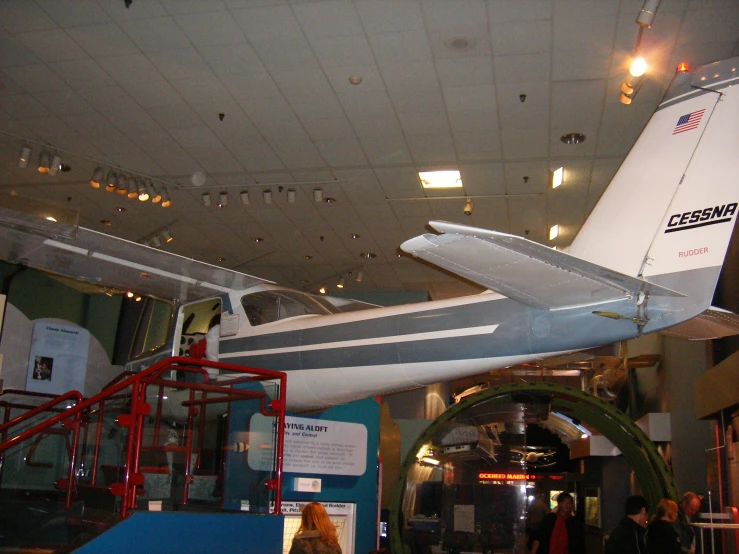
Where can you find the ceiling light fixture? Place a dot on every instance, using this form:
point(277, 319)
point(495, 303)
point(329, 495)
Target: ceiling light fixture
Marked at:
point(244, 194)
point(359, 277)
point(166, 235)
point(110, 182)
point(24, 156)
point(206, 199)
point(267, 195)
point(448, 179)
point(557, 177)
point(329, 200)
point(223, 200)
point(322, 290)
point(56, 163)
point(368, 255)
point(258, 239)
point(97, 176)
point(573, 138)
point(143, 193)
point(121, 186)
point(133, 188)
point(317, 195)
point(638, 67)
point(166, 202)
point(155, 242)
point(467, 207)
point(340, 283)
point(553, 232)
point(43, 161)
point(647, 13)
point(291, 195)
point(153, 192)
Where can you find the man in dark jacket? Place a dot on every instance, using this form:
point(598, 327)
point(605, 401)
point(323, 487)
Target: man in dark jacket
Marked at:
point(560, 532)
point(628, 536)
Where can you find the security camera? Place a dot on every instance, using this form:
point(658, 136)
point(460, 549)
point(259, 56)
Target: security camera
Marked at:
point(468, 207)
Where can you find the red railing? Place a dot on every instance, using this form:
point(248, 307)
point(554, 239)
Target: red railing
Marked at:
point(135, 385)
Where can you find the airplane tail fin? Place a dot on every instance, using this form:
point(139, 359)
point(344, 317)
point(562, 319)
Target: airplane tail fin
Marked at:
point(668, 214)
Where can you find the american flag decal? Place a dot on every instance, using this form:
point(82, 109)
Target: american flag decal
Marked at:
point(688, 122)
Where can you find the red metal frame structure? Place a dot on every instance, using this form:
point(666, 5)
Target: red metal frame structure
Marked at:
point(132, 479)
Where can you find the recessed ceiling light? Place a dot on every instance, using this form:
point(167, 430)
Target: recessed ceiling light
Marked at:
point(355, 80)
point(460, 43)
point(354, 236)
point(573, 138)
point(368, 255)
point(221, 259)
point(258, 239)
point(50, 218)
point(448, 179)
point(106, 222)
point(329, 200)
point(120, 209)
point(307, 257)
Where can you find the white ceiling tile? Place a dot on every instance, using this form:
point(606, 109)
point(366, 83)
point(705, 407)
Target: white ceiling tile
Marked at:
point(375, 126)
point(108, 98)
point(210, 29)
point(529, 214)
point(387, 16)
point(269, 23)
point(22, 105)
point(474, 121)
point(420, 100)
point(81, 74)
point(184, 63)
point(257, 91)
point(201, 91)
point(14, 53)
point(195, 137)
point(478, 146)
point(461, 43)
point(342, 153)
point(482, 178)
point(156, 34)
point(525, 37)
point(298, 153)
point(570, 33)
point(64, 101)
point(584, 9)
point(366, 103)
point(345, 51)
point(152, 92)
point(386, 150)
point(505, 11)
point(477, 97)
point(522, 69)
point(19, 16)
point(328, 19)
point(525, 143)
point(35, 78)
point(176, 116)
point(328, 128)
point(144, 10)
point(339, 79)
point(51, 45)
point(717, 25)
point(281, 55)
point(411, 75)
point(431, 148)
point(591, 64)
point(103, 40)
point(465, 72)
point(424, 124)
point(524, 115)
point(192, 6)
point(215, 159)
point(232, 59)
point(393, 48)
point(73, 14)
point(577, 103)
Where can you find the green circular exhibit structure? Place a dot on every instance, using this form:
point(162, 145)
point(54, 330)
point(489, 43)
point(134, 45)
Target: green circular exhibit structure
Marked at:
point(639, 452)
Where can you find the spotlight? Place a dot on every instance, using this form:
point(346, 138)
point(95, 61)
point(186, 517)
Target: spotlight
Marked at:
point(43, 162)
point(153, 192)
point(267, 195)
point(624, 99)
point(340, 283)
point(468, 207)
point(110, 182)
point(638, 67)
point(223, 200)
point(322, 290)
point(647, 13)
point(166, 235)
point(206, 199)
point(360, 275)
point(155, 242)
point(244, 194)
point(626, 88)
point(97, 176)
point(143, 193)
point(56, 163)
point(318, 195)
point(24, 156)
point(166, 202)
point(291, 196)
point(133, 188)
point(122, 186)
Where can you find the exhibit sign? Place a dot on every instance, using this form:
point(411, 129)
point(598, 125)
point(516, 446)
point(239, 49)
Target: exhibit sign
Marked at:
point(311, 446)
point(57, 362)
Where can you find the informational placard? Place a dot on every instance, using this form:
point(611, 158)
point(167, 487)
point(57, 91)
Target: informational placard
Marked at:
point(58, 359)
point(464, 518)
point(311, 446)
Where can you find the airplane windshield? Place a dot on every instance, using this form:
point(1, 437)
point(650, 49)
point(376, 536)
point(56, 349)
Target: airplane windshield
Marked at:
point(269, 306)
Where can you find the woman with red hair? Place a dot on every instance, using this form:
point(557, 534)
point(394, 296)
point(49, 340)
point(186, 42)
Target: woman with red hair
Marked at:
point(316, 535)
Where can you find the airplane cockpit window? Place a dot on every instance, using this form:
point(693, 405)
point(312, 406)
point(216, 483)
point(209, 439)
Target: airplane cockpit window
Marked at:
point(268, 306)
point(143, 328)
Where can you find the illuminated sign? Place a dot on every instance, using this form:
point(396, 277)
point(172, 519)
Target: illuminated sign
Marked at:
point(484, 476)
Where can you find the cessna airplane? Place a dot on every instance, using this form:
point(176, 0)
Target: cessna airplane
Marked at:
point(647, 259)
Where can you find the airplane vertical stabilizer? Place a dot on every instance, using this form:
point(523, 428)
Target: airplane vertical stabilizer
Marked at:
point(671, 207)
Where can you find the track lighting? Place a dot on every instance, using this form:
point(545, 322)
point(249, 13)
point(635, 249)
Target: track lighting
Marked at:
point(143, 193)
point(166, 235)
point(223, 200)
point(166, 202)
point(318, 195)
point(638, 67)
point(121, 186)
point(291, 196)
point(244, 194)
point(110, 182)
point(322, 290)
point(468, 207)
point(154, 195)
point(340, 283)
point(133, 188)
point(267, 195)
point(24, 156)
point(359, 277)
point(97, 176)
point(155, 242)
point(43, 162)
point(647, 13)
point(56, 163)
point(206, 199)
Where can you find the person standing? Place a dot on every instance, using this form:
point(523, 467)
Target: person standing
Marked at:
point(560, 532)
point(316, 534)
point(628, 536)
point(661, 534)
point(689, 507)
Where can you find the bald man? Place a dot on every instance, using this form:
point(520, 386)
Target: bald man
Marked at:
point(689, 507)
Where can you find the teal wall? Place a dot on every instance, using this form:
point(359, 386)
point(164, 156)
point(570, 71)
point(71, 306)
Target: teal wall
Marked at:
point(37, 295)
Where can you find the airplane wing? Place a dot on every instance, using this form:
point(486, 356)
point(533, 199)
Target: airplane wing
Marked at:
point(523, 270)
point(111, 262)
point(714, 323)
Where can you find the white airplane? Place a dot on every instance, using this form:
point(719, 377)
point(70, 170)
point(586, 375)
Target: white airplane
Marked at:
point(647, 259)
